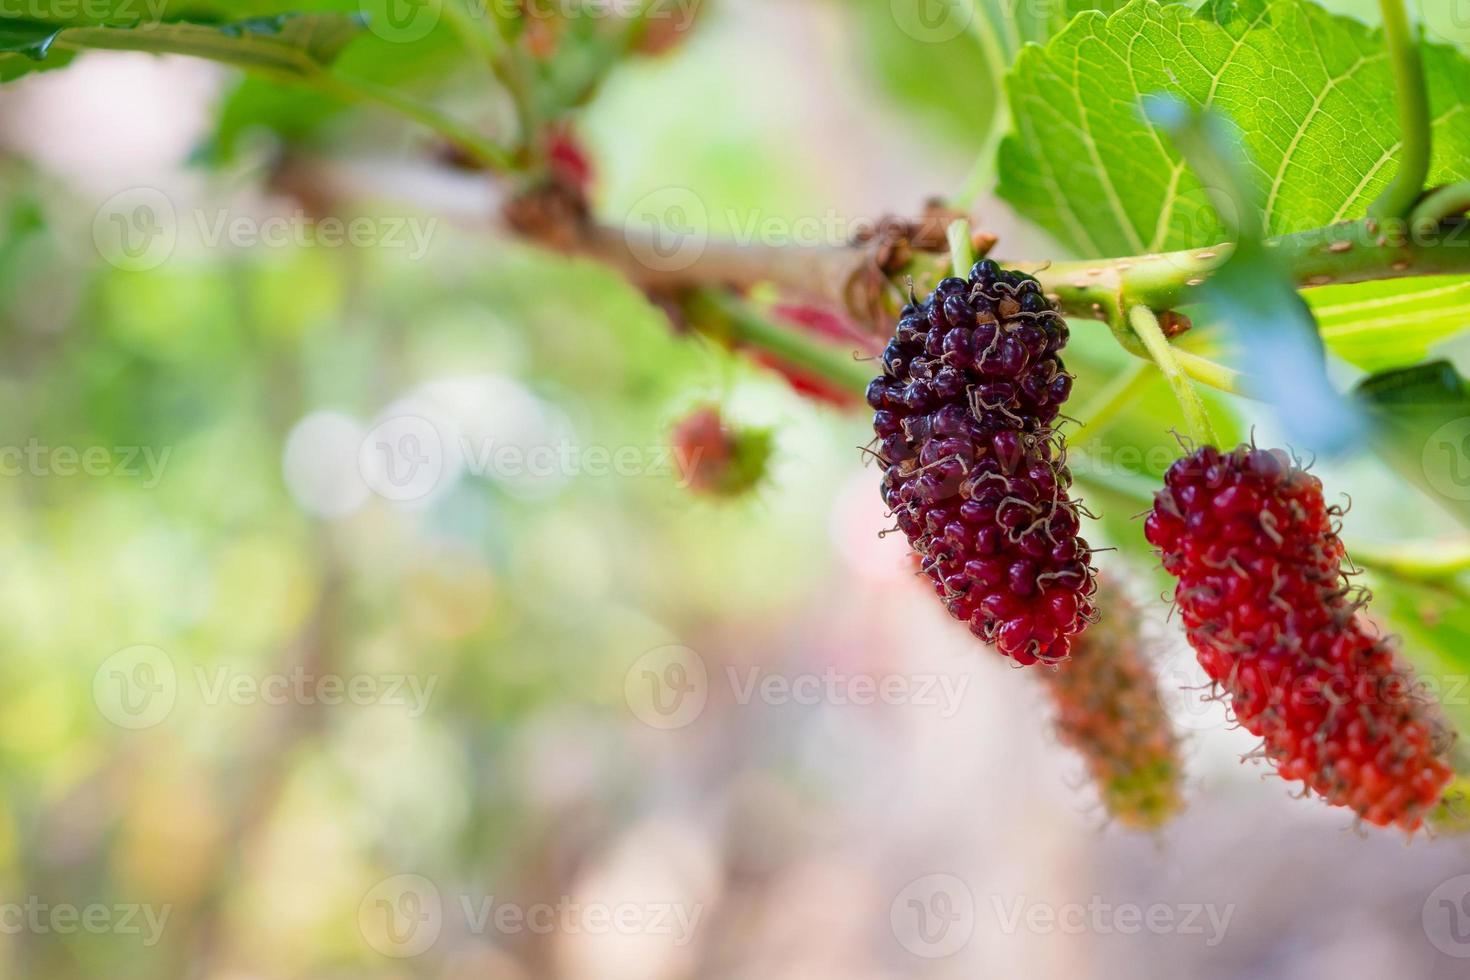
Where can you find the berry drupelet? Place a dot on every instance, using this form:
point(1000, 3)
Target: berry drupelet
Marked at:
point(974, 471)
point(1108, 708)
point(1267, 608)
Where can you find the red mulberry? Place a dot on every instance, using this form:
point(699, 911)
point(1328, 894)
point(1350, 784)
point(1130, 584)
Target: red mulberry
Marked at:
point(1267, 608)
point(719, 459)
point(974, 471)
point(1109, 710)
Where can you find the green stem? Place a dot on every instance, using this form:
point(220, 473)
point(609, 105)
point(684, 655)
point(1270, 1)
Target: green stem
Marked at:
point(1425, 561)
point(1414, 120)
point(1442, 205)
point(473, 30)
point(983, 170)
point(1146, 325)
point(1350, 252)
point(961, 248)
point(1212, 374)
point(726, 317)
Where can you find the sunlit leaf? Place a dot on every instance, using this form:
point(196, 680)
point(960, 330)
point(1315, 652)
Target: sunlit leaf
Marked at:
point(1312, 93)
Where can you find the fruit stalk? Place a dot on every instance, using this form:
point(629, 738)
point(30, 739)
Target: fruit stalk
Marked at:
point(1414, 119)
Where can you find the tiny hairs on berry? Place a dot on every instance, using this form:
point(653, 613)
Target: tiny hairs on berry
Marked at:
point(974, 468)
point(1267, 608)
point(1110, 711)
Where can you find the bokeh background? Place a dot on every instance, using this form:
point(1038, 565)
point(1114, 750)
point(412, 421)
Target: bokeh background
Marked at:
point(267, 712)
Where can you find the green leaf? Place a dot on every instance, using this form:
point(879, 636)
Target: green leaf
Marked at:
point(1434, 625)
point(1254, 295)
point(1312, 93)
point(1421, 426)
point(1388, 324)
point(943, 59)
point(24, 45)
point(284, 45)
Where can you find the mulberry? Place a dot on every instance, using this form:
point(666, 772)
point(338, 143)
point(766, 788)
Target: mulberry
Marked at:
point(1109, 710)
point(974, 472)
point(1268, 609)
point(719, 459)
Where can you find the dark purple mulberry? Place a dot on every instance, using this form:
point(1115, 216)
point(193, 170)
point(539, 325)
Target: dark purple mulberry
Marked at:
point(974, 471)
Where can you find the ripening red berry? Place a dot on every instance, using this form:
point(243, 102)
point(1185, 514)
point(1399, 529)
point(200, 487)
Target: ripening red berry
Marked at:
point(1109, 710)
point(973, 473)
point(567, 158)
point(719, 459)
point(1268, 609)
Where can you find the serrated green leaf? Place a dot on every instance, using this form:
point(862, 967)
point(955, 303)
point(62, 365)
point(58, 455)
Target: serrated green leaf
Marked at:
point(1389, 324)
point(1313, 94)
point(1434, 625)
point(942, 58)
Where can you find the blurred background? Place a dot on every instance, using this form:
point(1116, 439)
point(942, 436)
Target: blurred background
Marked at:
point(356, 622)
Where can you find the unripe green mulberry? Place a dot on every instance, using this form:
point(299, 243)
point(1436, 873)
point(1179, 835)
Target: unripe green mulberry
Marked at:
point(1109, 710)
